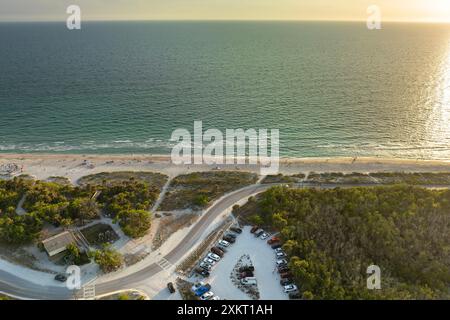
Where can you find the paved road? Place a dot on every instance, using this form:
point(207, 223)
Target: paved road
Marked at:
point(16, 286)
point(13, 285)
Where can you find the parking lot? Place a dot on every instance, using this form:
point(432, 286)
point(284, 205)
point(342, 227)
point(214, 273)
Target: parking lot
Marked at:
point(263, 258)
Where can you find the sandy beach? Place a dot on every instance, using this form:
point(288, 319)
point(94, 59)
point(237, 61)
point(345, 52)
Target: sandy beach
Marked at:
point(74, 166)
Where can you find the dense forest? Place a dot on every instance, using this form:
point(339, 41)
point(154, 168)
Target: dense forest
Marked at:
point(332, 236)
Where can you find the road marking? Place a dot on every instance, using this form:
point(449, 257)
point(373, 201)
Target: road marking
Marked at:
point(164, 264)
point(89, 292)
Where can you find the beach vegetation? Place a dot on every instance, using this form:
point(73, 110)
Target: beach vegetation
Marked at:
point(108, 259)
point(199, 189)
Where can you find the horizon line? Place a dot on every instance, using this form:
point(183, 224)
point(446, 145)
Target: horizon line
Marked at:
point(228, 20)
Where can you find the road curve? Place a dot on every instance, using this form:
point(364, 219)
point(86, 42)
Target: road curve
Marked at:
point(15, 286)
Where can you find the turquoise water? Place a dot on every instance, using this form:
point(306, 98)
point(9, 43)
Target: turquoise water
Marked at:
point(333, 89)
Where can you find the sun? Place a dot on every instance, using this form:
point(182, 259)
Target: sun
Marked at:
point(439, 10)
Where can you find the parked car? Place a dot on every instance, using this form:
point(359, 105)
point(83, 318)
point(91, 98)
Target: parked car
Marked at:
point(273, 240)
point(197, 286)
point(280, 255)
point(236, 229)
point(247, 268)
point(246, 274)
point(202, 290)
point(217, 251)
point(286, 281)
point(171, 287)
point(276, 246)
point(209, 261)
point(253, 229)
point(202, 272)
point(224, 243)
point(213, 256)
point(207, 295)
point(278, 250)
point(286, 275)
point(281, 262)
point(264, 236)
point(229, 239)
point(250, 281)
point(259, 232)
point(290, 288)
point(205, 266)
point(224, 249)
point(215, 298)
point(283, 269)
point(231, 235)
point(61, 277)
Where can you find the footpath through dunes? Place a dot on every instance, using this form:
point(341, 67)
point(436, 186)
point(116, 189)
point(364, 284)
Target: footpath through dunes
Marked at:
point(188, 242)
point(198, 190)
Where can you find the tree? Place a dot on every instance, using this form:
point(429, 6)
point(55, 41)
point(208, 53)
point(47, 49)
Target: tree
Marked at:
point(108, 259)
point(135, 223)
point(333, 235)
point(84, 209)
point(201, 200)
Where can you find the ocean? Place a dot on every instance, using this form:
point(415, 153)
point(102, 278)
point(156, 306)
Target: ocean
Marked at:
point(332, 89)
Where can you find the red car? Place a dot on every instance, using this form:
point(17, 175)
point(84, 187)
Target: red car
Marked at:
point(273, 240)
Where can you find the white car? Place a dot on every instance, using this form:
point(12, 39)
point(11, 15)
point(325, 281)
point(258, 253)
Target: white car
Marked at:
point(280, 255)
point(281, 262)
point(207, 296)
point(290, 288)
point(264, 236)
point(215, 298)
point(224, 243)
point(213, 256)
point(278, 250)
point(197, 286)
point(209, 261)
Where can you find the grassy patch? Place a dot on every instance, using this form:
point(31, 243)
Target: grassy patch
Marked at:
point(59, 180)
point(198, 190)
point(99, 234)
point(414, 178)
point(153, 179)
point(280, 178)
point(170, 225)
point(339, 177)
point(125, 295)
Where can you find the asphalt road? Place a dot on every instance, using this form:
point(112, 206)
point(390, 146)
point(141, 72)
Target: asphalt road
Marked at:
point(15, 286)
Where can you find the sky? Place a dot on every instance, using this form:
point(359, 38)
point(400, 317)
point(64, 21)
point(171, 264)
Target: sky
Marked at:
point(392, 10)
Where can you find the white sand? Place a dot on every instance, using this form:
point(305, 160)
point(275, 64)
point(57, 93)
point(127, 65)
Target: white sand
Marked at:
point(43, 166)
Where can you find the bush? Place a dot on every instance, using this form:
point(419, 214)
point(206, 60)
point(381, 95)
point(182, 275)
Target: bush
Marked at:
point(108, 259)
point(135, 223)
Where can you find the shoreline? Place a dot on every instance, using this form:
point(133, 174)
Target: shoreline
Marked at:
point(75, 166)
point(166, 158)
